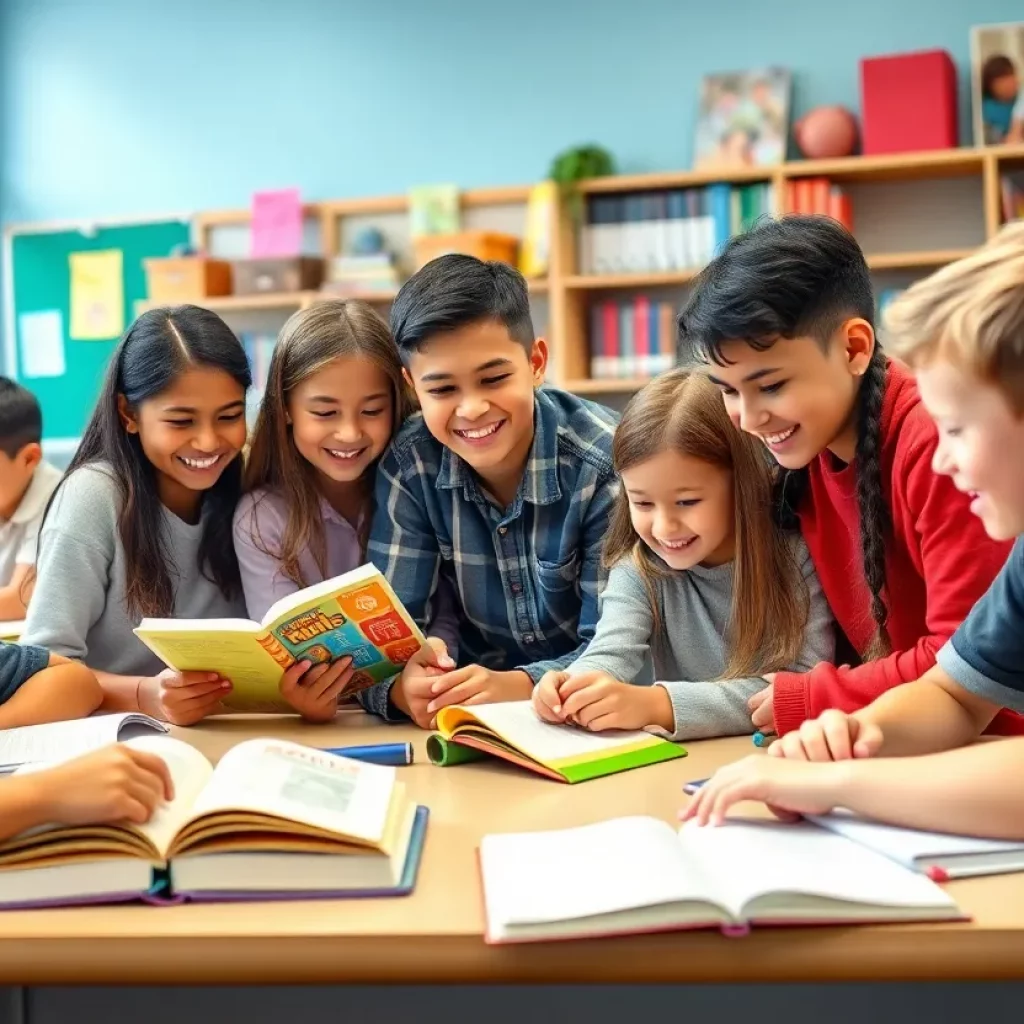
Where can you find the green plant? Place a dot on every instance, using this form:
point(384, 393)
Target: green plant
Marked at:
point(576, 164)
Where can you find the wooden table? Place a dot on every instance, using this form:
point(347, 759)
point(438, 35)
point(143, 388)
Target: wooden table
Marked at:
point(435, 934)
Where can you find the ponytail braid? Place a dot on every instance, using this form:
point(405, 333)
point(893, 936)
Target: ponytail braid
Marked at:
point(875, 520)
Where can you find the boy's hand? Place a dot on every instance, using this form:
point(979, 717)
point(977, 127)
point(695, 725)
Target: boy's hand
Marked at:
point(762, 706)
point(182, 698)
point(597, 701)
point(313, 690)
point(412, 690)
point(475, 684)
point(546, 701)
point(789, 788)
point(833, 736)
point(116, 783)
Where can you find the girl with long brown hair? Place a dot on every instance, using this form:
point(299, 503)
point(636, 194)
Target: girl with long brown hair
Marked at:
point(334, 397)
point(705, 594)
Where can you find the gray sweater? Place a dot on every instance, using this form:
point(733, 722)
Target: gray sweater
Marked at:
point(689, 652)
point(78, 608)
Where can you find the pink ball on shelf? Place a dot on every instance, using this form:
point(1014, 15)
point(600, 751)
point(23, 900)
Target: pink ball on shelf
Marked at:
point(826, 132)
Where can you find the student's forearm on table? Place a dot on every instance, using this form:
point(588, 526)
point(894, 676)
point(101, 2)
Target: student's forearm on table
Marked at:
point(923, 717)
point(120, 693)
point(977, 790)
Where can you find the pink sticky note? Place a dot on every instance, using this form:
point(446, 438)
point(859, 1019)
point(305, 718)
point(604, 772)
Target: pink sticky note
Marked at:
point(276, 223)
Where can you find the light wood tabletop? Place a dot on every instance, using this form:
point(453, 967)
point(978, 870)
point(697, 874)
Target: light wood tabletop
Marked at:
point(435, 935)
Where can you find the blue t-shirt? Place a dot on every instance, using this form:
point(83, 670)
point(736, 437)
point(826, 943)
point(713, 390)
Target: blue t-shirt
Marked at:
point(18, 664)
point(996, 116)
point(986, 654)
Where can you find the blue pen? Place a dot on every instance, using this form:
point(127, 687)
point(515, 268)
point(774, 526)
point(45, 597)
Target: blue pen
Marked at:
point(379, 753)
point(691, 787)
point(763, 739)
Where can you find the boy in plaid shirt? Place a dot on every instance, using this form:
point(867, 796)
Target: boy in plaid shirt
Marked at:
point(498, 491)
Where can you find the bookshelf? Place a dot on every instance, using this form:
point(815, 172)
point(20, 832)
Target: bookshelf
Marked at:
point(913, 212)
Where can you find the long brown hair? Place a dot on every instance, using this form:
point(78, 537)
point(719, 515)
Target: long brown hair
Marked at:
point(683, 412)
point(309, 341)
point(155, 351)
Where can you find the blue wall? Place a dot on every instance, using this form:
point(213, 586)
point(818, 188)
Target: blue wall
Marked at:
point(114, 107)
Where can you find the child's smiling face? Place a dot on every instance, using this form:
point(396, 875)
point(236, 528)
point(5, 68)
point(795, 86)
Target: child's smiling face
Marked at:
point(980, 447)
point(475, 386)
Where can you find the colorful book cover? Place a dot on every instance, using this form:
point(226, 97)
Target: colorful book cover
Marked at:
point(356, 615)
point(565, 753)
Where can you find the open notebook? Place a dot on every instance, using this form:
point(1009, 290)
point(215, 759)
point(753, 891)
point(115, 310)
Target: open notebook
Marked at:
point(58, 741)
point(273, 820)
point(639, 874)
point(936, 854)
point(566, 753)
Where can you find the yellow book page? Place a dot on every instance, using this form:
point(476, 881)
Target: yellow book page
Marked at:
point(552, 745)
point(236, 654)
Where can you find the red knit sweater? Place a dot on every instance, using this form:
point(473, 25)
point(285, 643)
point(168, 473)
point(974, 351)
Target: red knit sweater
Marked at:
point(939, 561)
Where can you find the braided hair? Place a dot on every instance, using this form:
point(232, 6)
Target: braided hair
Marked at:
point(875, 520)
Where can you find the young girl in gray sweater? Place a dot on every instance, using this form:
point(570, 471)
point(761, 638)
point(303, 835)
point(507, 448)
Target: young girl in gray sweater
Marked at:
point(706, 595)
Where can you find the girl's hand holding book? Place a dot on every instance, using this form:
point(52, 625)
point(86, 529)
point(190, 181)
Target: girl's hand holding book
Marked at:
point(313, 690)
point(182, 698)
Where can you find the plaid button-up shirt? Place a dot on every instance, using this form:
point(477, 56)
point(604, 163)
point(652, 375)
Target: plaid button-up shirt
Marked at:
point(527, 578)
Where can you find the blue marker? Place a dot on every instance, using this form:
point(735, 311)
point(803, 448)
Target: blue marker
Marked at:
point(379, 753)
point(762, 739)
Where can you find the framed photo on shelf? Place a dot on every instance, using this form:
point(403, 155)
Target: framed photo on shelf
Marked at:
point(743, 119)
point(997, 83)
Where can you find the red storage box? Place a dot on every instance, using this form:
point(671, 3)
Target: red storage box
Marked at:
point(908, 102)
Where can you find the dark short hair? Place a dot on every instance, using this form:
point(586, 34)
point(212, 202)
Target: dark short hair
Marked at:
point(454, 291)
point(21, 419)
point(993, 69)
point(795, 277)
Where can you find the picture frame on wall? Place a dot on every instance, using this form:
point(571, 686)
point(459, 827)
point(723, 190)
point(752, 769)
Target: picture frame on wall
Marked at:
point(997, 83)
point(743, 119)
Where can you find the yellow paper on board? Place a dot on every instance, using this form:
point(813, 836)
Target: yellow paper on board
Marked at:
point(97, 295)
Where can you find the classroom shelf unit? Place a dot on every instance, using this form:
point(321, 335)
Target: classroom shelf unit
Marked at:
point(912, 213)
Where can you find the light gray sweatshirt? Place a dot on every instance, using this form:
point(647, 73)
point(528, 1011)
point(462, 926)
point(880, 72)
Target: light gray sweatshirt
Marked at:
point(78, 606)
point(689, 651)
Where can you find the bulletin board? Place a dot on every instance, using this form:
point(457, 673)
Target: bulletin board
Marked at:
point(38, 292)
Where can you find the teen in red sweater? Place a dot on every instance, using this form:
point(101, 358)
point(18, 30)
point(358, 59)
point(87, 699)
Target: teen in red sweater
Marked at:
point(784, 318)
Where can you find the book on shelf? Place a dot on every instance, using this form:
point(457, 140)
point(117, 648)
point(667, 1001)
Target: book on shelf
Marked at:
point(819, 196)
point(566, 753)
point(273, 820)
point(535, 252)
point(939, 855)
point(631, 338)
point(639, 874)
point(1011, 189)
point(666, 230)
point(35, 744)
point(352, 274)
point(355, 615)
point(434, 210)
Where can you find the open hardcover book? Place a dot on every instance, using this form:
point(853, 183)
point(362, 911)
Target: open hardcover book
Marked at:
point(273, 820)
point(640, 875)
point(513, 731)
point(939, 855)
point(356, 615)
